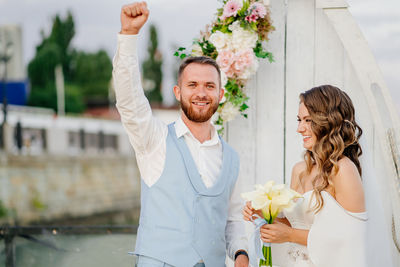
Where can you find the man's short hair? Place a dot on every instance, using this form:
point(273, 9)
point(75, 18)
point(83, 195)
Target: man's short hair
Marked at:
point(198, 60)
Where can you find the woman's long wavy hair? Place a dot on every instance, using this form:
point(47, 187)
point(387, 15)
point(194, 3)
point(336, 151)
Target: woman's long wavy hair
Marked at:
point(337, 134)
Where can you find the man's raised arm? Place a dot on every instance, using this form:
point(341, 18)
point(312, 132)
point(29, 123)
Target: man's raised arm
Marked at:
point(144, 131)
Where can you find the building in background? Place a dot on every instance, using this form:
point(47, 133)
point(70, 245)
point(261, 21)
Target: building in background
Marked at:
point(13, 74)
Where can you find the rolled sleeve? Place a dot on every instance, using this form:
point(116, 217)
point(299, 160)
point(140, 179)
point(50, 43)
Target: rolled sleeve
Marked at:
point(235, 233)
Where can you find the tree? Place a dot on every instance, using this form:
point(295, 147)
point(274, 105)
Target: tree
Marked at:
point(87, 75)
point(92, 73)
point(152, 73)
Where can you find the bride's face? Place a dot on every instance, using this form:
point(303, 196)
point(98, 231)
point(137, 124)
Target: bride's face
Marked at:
point(304, 127)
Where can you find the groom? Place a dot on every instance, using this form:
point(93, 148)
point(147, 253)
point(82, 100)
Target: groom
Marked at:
point(189, 214)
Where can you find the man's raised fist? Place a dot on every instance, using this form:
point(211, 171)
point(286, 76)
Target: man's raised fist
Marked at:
point(133, 17)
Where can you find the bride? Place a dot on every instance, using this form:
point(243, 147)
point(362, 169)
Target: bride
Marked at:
point(327, 227)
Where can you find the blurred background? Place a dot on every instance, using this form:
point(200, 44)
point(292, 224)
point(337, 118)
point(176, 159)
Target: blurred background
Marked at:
point(65, 161)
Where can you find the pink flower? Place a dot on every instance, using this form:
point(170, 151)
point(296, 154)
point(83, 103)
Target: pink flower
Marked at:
point(258, 9)
point(225, 59)
point(230, 73)
point(243, 59)
point(230, 9)
point(251, 18)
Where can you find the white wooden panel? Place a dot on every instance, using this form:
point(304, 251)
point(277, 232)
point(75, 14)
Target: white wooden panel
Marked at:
point(259, 139)
point(331, 4)
point(329, 53)
point(299, 72)
point(270, 98)
point(241, 134)
point(361, 57)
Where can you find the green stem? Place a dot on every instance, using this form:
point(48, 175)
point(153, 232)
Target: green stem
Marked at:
point(267, 251)
point(267, 255)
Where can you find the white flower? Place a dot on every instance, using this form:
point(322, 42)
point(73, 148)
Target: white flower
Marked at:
point(248, 72)
point(229, 112)
point(271, 199)
point(196, 50)
point(241, 38)
point(219, 40)
point(266, 2)
point(235, 26)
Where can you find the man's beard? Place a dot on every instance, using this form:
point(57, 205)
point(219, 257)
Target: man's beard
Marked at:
point(204, 116)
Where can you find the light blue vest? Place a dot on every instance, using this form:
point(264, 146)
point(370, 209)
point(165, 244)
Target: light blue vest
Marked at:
point(181, 220)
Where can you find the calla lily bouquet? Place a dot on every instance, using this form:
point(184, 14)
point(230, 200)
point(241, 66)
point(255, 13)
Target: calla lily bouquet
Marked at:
point(235, 40)
point(270, 199)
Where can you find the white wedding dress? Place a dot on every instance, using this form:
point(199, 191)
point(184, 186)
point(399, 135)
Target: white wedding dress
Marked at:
point(337, 237)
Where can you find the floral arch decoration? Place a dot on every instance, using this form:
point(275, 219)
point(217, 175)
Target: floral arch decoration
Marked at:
point(236, 41)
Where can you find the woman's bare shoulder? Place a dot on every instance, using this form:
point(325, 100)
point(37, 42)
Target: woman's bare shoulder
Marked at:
point(297, 169)
point(348, 186)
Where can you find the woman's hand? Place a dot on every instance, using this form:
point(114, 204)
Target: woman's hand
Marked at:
point(248, 212)
point(276, 233)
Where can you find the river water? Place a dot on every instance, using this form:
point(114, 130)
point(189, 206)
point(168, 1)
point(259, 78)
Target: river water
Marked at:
point(73, 251)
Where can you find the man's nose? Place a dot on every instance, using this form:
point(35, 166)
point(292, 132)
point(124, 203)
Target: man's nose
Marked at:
point(201, 91)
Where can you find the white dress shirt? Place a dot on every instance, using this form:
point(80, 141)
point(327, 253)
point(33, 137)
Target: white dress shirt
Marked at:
point(148, 137)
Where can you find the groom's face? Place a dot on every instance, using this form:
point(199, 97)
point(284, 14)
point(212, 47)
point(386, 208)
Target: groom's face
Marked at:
point(199, 92)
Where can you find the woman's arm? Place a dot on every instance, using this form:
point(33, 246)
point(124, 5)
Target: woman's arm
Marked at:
point(283, 220)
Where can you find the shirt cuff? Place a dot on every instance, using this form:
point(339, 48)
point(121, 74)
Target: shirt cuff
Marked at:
point(236, 246)
point(127, 44)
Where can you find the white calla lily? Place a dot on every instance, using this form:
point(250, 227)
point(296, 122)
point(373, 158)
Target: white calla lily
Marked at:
point(271, 199)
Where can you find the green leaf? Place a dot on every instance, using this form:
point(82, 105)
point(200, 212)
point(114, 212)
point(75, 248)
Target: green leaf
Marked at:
point(176, 54)
point(229, 20)
point(222, 28)
point(182, 56)
point(219, 121)
point(244, 107)
point(253, 26)
point(261, 54)
point(244, 115)
point(242, 11)
point(221, 131)
point(270, 57)
point(181, 48)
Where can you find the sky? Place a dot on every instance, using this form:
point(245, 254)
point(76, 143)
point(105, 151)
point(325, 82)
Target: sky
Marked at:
point(179, 21)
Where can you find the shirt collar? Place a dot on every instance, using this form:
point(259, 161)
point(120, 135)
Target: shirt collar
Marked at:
point(181, 129)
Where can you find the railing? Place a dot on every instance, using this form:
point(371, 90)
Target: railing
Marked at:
point(46, 237)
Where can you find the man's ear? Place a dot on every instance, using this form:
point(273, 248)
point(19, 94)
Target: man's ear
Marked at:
point(177, 92)
point(221, 94)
